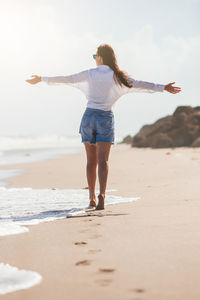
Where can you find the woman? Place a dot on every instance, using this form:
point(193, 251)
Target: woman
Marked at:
point(102, 86)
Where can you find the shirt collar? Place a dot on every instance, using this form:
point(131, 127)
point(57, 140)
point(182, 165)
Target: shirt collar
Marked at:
point(103, 67)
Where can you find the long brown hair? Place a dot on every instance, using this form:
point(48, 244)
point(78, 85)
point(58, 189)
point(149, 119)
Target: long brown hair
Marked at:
point(109, 58)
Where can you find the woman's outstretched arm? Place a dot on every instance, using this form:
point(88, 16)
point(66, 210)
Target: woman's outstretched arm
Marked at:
point(151, 87)
point(69, 79)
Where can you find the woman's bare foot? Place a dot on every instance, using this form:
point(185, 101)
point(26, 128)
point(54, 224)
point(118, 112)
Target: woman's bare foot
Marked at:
point(101, 202)
point(93, 203)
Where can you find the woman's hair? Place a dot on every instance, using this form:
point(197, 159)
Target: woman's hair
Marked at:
point(109, 58)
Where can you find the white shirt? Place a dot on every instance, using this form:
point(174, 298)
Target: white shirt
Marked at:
point(99, 86)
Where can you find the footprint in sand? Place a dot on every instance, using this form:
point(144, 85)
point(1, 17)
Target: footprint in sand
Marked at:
point(94, 251)
point(106, 270)
point(89, 220)
point(80, 243)
point(83, 262)
point(103, 281)
point(138, 290)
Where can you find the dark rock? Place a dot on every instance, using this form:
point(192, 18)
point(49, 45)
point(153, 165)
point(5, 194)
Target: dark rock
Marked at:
point(182, 136)
point(139, 141)
point(181, 129)
point(160, 140)
point(186, 109)
point(180, 119)
point(195, 118)
point(196, 143)
point(127, 140)
point(197, 108)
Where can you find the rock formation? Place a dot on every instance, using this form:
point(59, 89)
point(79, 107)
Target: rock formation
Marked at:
point(182, 129)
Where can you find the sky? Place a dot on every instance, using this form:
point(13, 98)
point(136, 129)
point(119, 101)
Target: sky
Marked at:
point(155, 41)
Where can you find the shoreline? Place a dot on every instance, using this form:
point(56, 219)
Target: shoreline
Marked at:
point(144, 249)
point(30, 155)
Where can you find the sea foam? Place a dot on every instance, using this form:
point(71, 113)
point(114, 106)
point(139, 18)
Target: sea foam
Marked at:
point(27, 206)
point(13, 279)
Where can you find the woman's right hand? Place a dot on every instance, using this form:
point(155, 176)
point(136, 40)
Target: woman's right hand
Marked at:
point(34, 80)
point(172, 89)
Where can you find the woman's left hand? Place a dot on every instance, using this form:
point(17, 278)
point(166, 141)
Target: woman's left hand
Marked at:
point(172, 89)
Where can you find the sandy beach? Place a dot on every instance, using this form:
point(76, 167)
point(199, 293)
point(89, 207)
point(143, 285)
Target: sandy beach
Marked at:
point(147, 249)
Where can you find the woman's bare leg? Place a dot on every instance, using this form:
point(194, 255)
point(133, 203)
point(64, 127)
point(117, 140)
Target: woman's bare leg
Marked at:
point(103, 150)
point(91, 152)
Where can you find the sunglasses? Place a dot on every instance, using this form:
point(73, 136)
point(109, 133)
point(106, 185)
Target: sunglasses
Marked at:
point(94, 56)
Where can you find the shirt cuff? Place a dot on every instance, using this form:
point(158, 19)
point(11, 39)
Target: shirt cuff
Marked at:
point(44, 78)
point(160, 87)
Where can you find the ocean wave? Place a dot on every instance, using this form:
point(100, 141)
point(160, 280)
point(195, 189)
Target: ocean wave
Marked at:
point(27, 206)
point(14, 279)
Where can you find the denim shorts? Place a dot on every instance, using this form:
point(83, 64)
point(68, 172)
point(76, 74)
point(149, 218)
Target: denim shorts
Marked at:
point(97, 125)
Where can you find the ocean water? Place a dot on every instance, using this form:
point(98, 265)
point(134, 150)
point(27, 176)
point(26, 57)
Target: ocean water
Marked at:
point(17, 142)
point(16, 149)
point(27, 149)
point(7, 173)
point(14, 142)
